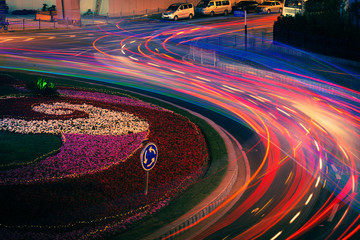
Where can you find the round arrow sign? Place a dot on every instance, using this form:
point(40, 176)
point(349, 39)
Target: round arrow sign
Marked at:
point(148, 156)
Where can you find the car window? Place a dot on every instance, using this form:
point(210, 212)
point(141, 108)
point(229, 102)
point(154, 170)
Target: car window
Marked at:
point(225, 2)
point(218, 3)
point(173, 7)
point(190, 6)
point(211, 4)
point(203, 3)
point(277, 3)
point(185, 6)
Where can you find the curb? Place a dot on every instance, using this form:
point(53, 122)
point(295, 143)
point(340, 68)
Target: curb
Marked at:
point(218, 196)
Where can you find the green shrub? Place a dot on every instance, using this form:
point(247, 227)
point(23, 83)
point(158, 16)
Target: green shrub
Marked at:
point(42, 87)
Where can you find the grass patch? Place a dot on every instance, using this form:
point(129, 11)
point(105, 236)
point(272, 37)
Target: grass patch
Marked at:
point(7, 90)
point(19, 149)
point(196, 193)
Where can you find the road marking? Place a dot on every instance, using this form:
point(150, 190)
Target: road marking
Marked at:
point(293, 219)
point(51, 37)
point(308, 200)
point(152, 64)
point(29, 39)
point(317, 182)
point(134, 58)
point(6, 40)
point(278, 234)
point(177, 71)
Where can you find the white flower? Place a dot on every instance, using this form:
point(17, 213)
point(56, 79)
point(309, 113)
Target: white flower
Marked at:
point(100, 121)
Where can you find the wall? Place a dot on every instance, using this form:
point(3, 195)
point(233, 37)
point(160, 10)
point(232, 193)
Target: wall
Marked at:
point(112, 7)
point(140, 7)
point(91, 4)
point(28, 4)
point(72, 11)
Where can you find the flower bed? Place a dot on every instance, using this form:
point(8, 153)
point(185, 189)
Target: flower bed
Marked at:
point(96, 179)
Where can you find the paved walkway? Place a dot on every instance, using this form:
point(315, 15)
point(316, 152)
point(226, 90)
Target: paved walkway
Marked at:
point(28, 22)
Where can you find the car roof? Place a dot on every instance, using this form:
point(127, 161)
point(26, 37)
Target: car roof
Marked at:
point(178, 4)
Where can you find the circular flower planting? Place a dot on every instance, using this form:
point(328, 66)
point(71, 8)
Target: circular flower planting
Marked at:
point(94, 186)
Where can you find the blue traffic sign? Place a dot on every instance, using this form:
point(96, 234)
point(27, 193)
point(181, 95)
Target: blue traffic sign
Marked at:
point(149, 156)
point(238, 13)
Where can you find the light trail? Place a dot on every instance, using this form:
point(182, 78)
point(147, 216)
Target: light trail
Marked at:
point(301, 127)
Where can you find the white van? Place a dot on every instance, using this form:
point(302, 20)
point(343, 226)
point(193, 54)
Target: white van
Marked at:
point(179, 10)
point(212, 7)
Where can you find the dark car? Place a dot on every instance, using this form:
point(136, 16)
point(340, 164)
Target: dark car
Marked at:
point(248, 6)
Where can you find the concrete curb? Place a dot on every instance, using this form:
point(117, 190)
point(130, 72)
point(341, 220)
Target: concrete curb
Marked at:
point(218, 196)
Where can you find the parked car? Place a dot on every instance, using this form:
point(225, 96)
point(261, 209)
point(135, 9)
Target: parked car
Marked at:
point(212, 7)
point(248, 6)
point(269, 7)
point(179, 10)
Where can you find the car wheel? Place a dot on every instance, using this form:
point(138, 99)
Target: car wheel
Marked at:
point(176, 18)
point(190, 16)
point(268, 11)
point(226, 12)
point(280, 10)
point(212, 14)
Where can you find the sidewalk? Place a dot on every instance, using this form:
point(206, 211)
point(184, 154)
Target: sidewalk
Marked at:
point(28, 22)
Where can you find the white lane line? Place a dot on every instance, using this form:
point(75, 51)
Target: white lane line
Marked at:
point(6, 40)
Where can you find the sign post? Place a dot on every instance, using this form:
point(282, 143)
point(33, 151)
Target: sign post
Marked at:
point(238, 13)
point(148, 158)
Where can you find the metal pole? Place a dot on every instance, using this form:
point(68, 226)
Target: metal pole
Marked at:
point(54, 23)
point(146, 182)
point(39, 22)
point(302, 6)
point(214, 59)
point(23, 23)
point(245, 33)
point(62, 8)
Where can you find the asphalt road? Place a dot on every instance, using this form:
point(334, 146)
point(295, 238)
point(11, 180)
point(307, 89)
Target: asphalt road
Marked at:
point(299, 128)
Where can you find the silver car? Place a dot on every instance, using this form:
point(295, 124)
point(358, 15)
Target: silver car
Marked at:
point(179, 10)
point(269, 7)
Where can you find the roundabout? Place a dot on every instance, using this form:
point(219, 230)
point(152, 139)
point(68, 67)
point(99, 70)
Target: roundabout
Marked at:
point(93, 185)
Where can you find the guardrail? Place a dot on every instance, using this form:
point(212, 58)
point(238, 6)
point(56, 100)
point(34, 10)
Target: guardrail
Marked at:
point(176, 230)
point(224, 58)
